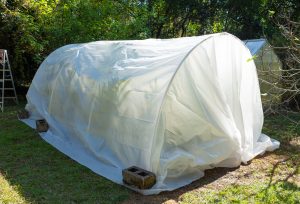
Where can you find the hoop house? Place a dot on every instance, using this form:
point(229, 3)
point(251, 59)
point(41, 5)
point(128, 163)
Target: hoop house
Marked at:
point(174, 107)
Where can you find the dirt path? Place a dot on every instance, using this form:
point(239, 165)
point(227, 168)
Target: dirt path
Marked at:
point(270, 167)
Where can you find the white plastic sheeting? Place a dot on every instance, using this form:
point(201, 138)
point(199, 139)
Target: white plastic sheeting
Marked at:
point(174, 107)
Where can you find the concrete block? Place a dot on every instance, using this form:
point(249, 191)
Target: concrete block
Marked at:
point(42, 125)
point(138, 177)
point(23, 114)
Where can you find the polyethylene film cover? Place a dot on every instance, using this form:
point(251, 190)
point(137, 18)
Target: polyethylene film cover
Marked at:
point(174, 107)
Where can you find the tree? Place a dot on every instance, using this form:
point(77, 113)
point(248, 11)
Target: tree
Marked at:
point(31, 29)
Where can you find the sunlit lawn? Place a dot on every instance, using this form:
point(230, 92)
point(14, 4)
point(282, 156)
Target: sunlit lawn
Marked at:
point(32, 171)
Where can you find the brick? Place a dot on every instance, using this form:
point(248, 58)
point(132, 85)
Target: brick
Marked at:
point(138, 177)
point(42, 126)
point(23, 114)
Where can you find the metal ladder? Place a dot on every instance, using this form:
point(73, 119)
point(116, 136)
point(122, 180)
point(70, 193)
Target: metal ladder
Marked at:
point(6, 80)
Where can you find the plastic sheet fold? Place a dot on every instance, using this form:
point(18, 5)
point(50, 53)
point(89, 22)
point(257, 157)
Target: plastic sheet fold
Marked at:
point(175, 107)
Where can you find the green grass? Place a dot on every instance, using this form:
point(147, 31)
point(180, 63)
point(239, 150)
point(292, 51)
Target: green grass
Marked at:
point(280, 192)
point(32, 171)
point(277, 184)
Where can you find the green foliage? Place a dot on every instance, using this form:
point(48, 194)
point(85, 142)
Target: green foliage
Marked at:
point(31, 29)
point(19, 34)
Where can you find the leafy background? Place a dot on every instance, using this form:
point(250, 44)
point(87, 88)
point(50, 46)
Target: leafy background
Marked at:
point(31, 29)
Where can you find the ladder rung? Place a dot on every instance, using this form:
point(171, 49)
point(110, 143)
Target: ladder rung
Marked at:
point(6, 76)
point(1, 80)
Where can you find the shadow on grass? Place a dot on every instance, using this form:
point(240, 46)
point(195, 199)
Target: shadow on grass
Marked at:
point(44, 175)
point(41, 174)
point(282, 184)
point(275, 126)
point(211, 175)
point(279, 190)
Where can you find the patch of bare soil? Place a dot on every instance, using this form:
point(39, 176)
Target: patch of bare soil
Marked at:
point(270, 167)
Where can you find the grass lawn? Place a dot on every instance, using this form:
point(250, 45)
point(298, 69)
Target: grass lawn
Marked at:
point(32, 171)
